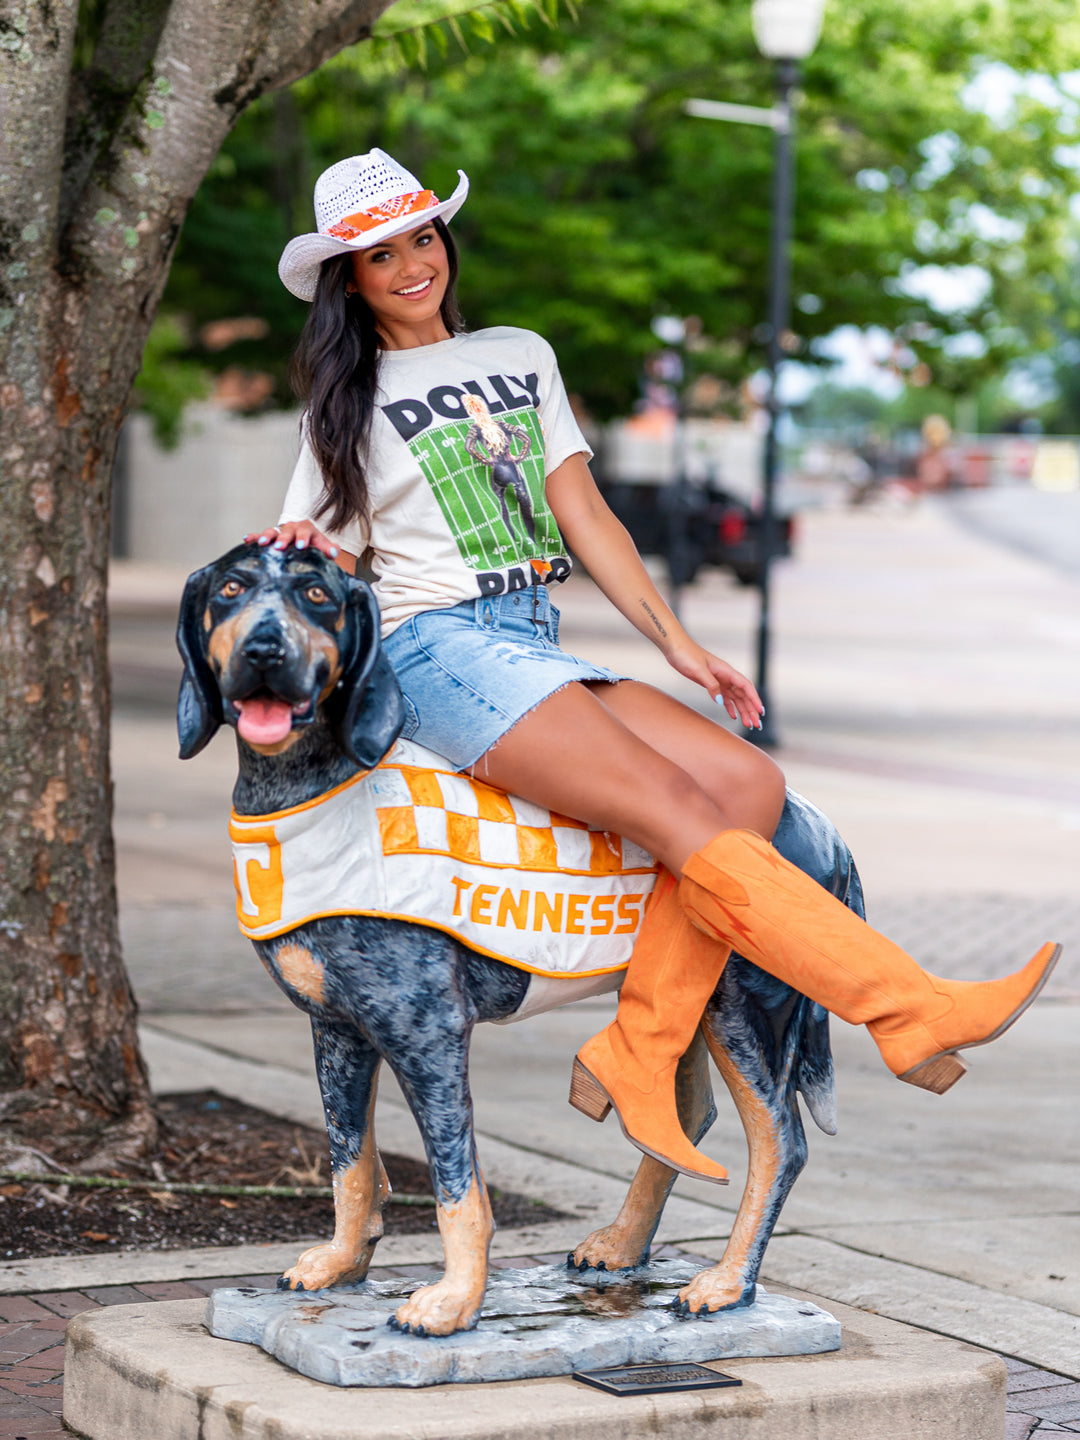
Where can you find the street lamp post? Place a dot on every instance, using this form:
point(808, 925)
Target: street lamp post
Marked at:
point(779, 311)
point(786, 31)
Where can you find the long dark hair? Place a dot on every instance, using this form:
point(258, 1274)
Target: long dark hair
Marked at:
point(335, 372)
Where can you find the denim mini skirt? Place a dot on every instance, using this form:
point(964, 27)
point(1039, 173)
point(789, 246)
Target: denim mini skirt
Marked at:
point(470, 672)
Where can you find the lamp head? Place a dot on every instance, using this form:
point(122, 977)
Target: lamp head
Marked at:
point(787, 29)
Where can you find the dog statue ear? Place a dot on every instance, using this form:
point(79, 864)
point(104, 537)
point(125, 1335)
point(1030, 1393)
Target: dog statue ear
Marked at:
point(198, 707)
point(368, 711)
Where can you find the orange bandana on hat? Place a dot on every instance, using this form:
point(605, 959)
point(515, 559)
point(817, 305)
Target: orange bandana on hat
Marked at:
point(350, 226)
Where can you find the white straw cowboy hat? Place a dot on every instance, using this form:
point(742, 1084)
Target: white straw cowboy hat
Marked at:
point(361, 202)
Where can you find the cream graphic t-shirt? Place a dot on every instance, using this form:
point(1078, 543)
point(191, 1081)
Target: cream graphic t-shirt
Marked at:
point(464, 434)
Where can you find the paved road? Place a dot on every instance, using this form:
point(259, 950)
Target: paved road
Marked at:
point(1044, 526)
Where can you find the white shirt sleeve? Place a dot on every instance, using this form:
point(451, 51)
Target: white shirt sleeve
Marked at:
point(303, 497)
point(562, 435)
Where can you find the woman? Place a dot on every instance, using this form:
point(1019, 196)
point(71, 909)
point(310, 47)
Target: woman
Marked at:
point(397, 396)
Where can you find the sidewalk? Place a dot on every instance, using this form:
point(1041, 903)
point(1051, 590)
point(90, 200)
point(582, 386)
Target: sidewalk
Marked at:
point(927, 690)
point(32, 1329)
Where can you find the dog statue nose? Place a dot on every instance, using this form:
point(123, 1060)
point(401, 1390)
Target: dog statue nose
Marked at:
point(264, 649)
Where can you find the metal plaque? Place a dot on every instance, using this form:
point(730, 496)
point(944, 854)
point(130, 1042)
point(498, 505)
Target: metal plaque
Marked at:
point(657, 1379)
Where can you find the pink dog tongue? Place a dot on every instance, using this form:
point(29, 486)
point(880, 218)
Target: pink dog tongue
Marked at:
point(264, 721)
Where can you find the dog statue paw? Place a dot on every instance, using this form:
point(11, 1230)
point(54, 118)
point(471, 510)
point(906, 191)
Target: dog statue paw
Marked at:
point(326, 1265)
point(624, 1244)
point(613, 1247)
point(440, 1309)
point(715, 1290)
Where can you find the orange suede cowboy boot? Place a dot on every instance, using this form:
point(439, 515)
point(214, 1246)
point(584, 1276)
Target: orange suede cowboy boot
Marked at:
point(741, 891)
point(631, 1064)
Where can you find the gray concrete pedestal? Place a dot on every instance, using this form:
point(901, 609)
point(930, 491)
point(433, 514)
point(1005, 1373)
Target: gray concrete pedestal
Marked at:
point(140, 1371)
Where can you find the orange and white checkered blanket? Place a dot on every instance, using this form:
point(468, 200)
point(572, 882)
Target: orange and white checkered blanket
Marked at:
point(411, 840)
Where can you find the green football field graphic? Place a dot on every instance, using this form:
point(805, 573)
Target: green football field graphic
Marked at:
point(468, 501)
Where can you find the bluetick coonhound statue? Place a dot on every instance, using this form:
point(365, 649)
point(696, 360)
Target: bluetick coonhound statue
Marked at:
point(340, 829)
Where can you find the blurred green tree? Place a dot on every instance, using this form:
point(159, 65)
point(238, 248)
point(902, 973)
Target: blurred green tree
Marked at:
point(597, 203)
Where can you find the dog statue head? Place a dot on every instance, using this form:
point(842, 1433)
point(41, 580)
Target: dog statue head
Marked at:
point(274, 641)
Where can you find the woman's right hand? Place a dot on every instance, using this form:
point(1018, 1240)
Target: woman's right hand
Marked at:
point(299, 533)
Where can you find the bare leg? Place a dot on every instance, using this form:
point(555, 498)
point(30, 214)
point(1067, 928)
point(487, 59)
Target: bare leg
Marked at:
point(732, 772)
point(574, 755)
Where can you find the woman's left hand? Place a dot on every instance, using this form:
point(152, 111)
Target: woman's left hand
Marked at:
point(723, 682)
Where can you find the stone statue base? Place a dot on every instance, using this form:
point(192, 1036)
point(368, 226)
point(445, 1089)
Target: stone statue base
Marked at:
point(536, 1322)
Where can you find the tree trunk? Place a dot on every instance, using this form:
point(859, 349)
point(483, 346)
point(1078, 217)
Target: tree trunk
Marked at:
point(85, 245)
point(69, 1057)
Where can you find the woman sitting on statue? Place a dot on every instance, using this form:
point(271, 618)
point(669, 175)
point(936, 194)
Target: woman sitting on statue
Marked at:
point(414, 429)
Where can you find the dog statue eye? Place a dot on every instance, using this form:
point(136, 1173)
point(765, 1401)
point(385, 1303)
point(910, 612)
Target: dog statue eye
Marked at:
point(231, 589)
point(316, 594)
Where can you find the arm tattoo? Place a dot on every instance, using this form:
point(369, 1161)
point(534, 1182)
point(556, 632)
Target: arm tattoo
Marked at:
point(653, 617)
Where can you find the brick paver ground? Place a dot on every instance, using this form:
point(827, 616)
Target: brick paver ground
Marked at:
point(32, 1353)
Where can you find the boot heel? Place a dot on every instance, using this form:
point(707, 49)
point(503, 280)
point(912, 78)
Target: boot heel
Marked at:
point(586, 1094)
point(937, 1074)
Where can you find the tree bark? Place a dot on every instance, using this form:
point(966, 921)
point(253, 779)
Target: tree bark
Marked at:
point(86, 241)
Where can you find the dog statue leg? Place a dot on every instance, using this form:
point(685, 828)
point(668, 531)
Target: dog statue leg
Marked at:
point(435, 1083)
point(759, 1069)
point(434, 1079)
point(453, 1303)
point(769, 1042)
point(347, 1067)
point(625, 1242)
point(408, 989)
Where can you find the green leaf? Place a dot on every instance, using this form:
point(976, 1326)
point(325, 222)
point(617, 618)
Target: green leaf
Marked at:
point(167, 382)
point(438, 37)
point(411, 45)
point(481, 26)
point(499, 11)
point(423, 14)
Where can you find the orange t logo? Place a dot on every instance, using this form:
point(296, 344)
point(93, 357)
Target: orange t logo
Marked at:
point(260, 883)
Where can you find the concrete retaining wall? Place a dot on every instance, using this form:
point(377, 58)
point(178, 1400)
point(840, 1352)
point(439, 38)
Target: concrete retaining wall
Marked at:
point(227, 476)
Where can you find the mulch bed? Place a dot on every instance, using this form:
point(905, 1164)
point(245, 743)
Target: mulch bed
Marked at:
point(209, 1139)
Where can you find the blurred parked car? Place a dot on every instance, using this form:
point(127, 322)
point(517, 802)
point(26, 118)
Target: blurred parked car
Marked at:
point(691, 525)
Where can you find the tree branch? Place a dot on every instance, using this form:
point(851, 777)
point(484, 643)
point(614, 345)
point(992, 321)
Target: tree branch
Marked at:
point(354, 23)
point(212, 59)
point(178, 1187)
point(35, 58)
point(102, 91)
